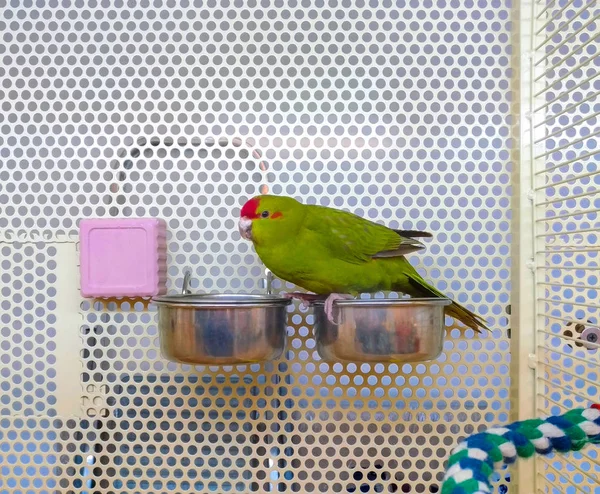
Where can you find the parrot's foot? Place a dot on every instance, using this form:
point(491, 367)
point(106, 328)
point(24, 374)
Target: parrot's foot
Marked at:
point(305, 298)
point(329, 304)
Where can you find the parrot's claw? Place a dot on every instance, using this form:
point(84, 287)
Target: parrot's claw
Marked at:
point(305, 298)
point(329, 305)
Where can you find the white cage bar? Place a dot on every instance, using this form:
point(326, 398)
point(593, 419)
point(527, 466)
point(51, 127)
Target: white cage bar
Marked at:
point(564, 122)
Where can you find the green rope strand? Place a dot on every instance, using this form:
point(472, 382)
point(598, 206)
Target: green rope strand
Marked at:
point(474, 461)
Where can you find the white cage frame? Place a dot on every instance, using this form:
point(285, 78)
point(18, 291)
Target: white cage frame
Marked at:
point(542, 354)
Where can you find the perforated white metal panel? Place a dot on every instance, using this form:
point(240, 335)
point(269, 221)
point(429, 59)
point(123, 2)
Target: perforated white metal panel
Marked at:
point(28, 329)
point(399, 112)
point(566, 129)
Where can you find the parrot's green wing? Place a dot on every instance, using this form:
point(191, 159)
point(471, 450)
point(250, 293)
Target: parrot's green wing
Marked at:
point(355, 239)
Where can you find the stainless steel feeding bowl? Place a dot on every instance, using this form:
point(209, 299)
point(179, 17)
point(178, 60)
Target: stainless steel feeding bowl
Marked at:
point(381, 330)
point(221, 329)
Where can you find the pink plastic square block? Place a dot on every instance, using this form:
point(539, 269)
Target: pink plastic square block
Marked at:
point(123, 257)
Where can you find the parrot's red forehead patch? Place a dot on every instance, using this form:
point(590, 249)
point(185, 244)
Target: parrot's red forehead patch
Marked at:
point(249, 210)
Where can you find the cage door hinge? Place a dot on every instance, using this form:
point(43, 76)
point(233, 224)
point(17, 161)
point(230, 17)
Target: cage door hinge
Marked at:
point(532, 361)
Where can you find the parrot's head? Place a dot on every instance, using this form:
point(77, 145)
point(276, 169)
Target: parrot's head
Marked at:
point(267, 219)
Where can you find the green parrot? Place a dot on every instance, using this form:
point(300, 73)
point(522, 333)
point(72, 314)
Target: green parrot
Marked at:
point(335, 253)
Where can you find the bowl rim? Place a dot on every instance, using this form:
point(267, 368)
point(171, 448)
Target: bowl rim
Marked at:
point(221, 300)
point(388, 302)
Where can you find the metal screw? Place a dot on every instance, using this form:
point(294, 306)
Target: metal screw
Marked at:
point(269, 281)
point(186, 282)
point(591, 335)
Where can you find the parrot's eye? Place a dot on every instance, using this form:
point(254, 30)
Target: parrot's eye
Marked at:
point(265, 214)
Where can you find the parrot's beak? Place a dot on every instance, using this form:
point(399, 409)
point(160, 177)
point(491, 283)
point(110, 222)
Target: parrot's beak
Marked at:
point(245, 226)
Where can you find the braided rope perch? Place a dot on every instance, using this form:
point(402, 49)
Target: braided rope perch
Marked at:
point(474, 460)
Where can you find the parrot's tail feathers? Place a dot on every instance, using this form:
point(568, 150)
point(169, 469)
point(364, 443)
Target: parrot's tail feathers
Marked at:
point(414, 234)
point(468, 318)
point(455, 310)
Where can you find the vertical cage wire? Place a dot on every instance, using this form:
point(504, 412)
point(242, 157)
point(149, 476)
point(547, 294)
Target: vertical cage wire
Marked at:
point(566, 128)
